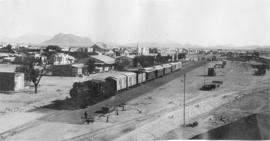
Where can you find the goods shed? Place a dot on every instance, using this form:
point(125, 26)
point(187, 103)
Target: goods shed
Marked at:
point(103, 63)
point(69, 70)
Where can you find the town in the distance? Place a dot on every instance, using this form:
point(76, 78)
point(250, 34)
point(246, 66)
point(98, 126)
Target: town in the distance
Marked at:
point(69, 87)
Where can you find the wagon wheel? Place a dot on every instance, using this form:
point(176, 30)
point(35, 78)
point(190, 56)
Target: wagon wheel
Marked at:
point(73, 93)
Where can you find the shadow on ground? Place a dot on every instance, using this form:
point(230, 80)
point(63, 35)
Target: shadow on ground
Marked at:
point(70, 104)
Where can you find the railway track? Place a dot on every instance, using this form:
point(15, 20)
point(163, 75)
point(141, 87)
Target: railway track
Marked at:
point(131, 122)
point(53, 114)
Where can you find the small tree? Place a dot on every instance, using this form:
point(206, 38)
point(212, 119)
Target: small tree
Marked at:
point(31, 73)
point(36, 75)
point(90, 66)
point(256, 54)
point(120, 65)
point(145, 61)
point(7, 49)
point(50, 51)
point(182, 55)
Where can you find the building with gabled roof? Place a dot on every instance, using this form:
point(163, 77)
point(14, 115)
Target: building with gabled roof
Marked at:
point(102, 62)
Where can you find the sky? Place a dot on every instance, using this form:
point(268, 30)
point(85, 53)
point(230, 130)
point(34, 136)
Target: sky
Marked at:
point(201, 22)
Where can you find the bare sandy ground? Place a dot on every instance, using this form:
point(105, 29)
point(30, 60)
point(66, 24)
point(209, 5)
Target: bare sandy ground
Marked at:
point(157, 114)
point(51, 88)
point(70, 118)
point(238, 82)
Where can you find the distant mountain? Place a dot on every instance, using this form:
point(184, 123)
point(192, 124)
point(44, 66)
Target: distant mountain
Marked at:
point(162, 45)
point(68, 40)
point(178, 45)
point(29, 38)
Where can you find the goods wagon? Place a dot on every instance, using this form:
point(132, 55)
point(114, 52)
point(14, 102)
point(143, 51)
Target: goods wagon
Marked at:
point(140, 75)
point(131, 78)
point(150, 73)
point(211, 65)
point(173, 66)
point(159, 71)
point(178, 65)
point(117, 81)
point(167, 68)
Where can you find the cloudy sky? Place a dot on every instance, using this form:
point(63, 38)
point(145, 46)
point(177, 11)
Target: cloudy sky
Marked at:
point(203, 22)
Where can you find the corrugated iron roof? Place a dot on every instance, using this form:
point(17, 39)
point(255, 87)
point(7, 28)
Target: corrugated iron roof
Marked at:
point(149, 69)
point(128, 56)
point(8, 68)
point(128, 73)
point(117, 76)
point(4, 54)
point(77, 65)
point(166, 65)
point(103, 58)
point(158, 67)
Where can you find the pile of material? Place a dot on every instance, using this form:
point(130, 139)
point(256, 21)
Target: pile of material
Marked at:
point(211, 86)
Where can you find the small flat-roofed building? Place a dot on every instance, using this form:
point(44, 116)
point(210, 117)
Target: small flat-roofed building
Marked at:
point(69, 70)
point(10, 80)
point(61, 59)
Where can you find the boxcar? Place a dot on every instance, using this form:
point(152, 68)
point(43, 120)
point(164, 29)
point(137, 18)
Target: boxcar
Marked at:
point(131, 79)
point(159, 71)
point(178, 65)
point(140, 75)
point(173, 66)
point(167, 68)
point(150, 73)
point(117, 81)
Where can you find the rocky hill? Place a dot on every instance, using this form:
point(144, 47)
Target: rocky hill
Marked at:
point(68, 40)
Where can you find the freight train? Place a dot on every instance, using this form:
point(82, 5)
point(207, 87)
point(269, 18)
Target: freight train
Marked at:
point(120, 81)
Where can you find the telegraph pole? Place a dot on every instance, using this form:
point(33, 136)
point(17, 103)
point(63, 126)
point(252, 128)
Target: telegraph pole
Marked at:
point(184, 105)
point(204, 74)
